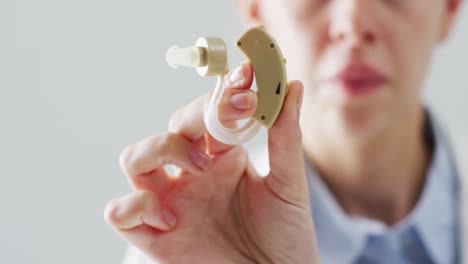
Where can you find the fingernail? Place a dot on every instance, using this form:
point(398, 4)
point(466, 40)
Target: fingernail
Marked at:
point(169, 217)
point(110, 212)
point(200, 159)
point(237, 76)
point(299, 100)
point(241, 101)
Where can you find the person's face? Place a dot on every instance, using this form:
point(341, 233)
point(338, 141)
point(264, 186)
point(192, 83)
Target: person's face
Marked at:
point(362, 62)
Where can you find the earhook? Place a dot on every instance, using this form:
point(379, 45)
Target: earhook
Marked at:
point(230, 136)
point(209, 57)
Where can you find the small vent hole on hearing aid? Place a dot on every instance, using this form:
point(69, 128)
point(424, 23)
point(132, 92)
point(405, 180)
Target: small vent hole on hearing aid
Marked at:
point(263, 117)
point(239, 43)
point(272, 45)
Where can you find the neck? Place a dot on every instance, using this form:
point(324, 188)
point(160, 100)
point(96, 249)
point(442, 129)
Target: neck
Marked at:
point(380, 178)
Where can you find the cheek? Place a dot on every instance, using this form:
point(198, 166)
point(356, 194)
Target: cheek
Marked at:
point(408, 44)
point(304, 57)
point(305, 52)
point(300, 28)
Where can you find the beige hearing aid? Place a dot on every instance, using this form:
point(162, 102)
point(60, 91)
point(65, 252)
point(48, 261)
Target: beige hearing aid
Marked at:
point(209, 57)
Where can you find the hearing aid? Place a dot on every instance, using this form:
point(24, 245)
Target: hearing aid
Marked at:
point(209, 57)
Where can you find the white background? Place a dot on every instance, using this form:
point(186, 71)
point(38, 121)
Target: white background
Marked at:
point(79, 80)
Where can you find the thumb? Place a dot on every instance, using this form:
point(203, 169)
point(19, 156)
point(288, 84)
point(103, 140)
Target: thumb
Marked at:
point(287, 174)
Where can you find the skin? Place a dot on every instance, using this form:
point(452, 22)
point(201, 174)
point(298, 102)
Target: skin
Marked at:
point(369, 150)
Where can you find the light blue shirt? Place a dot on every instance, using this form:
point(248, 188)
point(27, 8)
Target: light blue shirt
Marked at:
point(429, 234)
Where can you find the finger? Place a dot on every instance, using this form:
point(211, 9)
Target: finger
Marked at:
point(188, 121)
point(238, 101)
point(287, 177)
point(152, 153)
point(136, 209)
point(237, 104)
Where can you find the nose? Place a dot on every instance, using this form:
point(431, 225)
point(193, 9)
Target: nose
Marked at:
point(352, 21)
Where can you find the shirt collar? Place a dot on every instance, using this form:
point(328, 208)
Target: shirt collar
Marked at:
point(341, 238)
point(435, 215)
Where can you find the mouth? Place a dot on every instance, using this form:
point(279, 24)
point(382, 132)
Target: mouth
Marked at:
point(358, 79)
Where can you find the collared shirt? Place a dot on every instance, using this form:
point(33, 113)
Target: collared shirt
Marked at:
point(429, 234)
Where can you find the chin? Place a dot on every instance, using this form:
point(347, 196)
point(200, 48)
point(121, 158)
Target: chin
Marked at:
point(361, 125)
point(357, 119)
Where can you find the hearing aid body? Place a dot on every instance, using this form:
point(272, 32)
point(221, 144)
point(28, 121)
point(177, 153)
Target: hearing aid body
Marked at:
point(209, 57)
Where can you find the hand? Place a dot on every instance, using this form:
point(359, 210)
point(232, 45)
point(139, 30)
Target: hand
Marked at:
point(217, 209)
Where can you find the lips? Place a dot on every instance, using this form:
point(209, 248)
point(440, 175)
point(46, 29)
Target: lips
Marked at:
point(359, 79)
